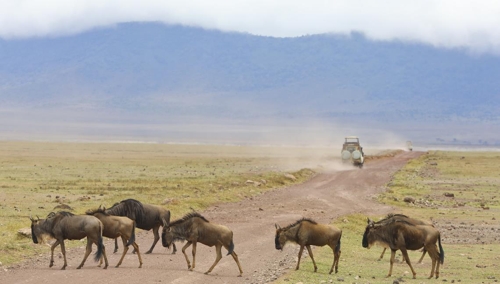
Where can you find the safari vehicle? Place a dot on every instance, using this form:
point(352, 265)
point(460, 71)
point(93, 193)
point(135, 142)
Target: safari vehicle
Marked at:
point(409, 145)
point(352, 151)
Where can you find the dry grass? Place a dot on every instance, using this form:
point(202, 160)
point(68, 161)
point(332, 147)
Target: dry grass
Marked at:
point(37, 177)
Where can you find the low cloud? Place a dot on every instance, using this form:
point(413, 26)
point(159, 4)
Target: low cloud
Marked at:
point(473, 25)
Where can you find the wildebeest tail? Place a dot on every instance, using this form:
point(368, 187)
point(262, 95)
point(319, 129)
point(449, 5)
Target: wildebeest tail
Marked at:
point(231, 248)
point(441, 251)
point(100, 246)
point(132, 236)
point(337, 247)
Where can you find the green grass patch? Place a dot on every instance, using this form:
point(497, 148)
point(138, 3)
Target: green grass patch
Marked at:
point(458, 192)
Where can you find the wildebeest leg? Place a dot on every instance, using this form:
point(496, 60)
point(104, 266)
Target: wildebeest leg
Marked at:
point(136, 248)
point(105, 258)
point(336, 257)
point(157, 237)
point(104, 255)
point(235, 257)
point(63, 250)
point(88, 250)
point(300, 255)
point(174, 249)
point(194, 255)
point(407, 258)
point(422, 257)
point(382, 255)
point(434, 255)
point(393, 255)
point(116, 246)
point(56, 243)
point(125, 249)
point(217, 258)
point(185, 255)
point(312, 258)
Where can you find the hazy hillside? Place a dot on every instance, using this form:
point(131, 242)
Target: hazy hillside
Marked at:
point(152, 70)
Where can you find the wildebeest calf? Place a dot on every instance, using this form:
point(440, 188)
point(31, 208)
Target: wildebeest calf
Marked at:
point(307, 233)
point(194, 228)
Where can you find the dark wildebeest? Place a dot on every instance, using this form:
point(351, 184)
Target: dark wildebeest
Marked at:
point(67, 226)
point(407, 219)
point(403, 235)
point(118, 226)
point(146, 217)
point(195, 228)
point(306, 233)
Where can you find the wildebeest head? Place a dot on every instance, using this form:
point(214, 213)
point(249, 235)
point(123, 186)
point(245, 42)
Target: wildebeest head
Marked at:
point(34, 229)
point(279, 239)
point(167, 237)
point(368, 236)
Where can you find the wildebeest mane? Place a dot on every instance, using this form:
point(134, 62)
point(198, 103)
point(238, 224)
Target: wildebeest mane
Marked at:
point(300, 221)
point(52, 219)
point(129, 207)
point(98, 210)
point(392, 215)
point(187, 217)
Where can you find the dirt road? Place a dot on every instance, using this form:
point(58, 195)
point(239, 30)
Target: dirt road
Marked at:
point(323, 198)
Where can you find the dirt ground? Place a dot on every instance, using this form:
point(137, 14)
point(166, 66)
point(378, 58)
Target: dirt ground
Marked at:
point(325, 197)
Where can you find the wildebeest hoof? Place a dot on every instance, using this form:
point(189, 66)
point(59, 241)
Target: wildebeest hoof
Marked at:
point(148, 252)
point(207, 272)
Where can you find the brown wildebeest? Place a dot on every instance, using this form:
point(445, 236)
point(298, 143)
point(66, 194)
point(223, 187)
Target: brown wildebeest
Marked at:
point(306, 233)
point(402, 235)
point(407, 219)
point(146, 217)
point(118, 226)
point(195, 228)
point(67, 226)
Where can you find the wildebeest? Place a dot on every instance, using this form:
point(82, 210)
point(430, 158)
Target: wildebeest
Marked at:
point(118, 226)
point(194, 228)
point(306, 233)
point(403, 235)
point(413, 221)
point(146, 217)
point(67, 226)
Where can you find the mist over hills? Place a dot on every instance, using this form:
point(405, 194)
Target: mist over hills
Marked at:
point(139, 80)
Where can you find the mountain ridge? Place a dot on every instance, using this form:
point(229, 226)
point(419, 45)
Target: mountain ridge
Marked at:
point(151, 69)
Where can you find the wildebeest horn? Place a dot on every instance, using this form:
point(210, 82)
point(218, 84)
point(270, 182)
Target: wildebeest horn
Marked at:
point(31, 218)
point(277, 226)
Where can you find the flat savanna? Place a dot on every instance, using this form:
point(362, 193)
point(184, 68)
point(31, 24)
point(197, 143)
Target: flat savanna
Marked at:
point(457, 191)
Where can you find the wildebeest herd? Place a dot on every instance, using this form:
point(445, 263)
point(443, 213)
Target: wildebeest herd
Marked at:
point(396, 232)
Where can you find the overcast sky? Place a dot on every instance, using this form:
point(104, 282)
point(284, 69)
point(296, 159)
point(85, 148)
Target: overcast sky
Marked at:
point(474, 25)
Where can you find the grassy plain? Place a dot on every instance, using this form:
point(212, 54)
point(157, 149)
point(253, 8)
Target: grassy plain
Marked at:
point(469, 223)
point(37, 177)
